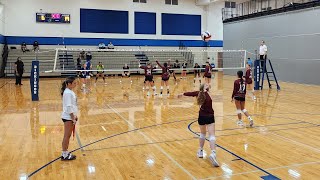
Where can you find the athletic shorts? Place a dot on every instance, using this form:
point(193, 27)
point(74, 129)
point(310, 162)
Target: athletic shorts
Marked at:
point(249, 81)
point(148, 78)
point(165, 79)
point(82, 76)
point(203, 120)
point(100, 73)
point(65, 120)
point(171, 71)
point(208, 76)
point(242, 99)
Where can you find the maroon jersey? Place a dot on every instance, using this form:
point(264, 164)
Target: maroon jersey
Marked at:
point(147, 70)
point(248, 76)
point(206, 107)
point(207, 71)
point(239, 90)
point(165, 71)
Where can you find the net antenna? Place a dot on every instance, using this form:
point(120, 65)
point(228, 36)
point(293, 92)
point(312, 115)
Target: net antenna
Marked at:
point(114, 59)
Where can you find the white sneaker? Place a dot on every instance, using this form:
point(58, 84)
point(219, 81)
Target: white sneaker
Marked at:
point(213, 160)
point(254, 98)
point(200, 153)
point(240, 123)
point(148, 94)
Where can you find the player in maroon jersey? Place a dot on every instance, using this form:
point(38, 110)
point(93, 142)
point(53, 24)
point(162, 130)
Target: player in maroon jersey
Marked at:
point(165, 77)
point(239, 96)
point(206, 121)
point(197, 73)
point(248, 78)
point(207, 73)
point(149, 77)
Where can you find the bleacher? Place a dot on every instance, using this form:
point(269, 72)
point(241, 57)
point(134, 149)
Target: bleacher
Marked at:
point(67, 60)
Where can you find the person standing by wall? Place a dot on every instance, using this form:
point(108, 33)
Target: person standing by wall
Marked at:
point(19, 70)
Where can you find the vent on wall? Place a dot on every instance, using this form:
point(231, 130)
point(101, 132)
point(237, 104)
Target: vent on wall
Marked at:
point(171, 2)
point(140, 1)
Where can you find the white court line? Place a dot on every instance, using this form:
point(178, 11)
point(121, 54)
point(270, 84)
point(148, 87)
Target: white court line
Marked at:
point(156, 145)
point(296, 142)
point(103, 128)
point(275, 168)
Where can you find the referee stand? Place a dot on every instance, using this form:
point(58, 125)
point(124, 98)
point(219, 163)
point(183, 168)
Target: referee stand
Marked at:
point(261, 72)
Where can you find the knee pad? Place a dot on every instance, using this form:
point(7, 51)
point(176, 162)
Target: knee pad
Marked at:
point(238, 111)
point(244, 110)
point(212, 138)
point(202, 136)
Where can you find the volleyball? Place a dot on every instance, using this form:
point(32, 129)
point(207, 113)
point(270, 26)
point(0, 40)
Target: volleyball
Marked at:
point(206, 36)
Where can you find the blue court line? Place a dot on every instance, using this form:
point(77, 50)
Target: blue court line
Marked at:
point(248, 162)
point(193, 138)
point(108, 137)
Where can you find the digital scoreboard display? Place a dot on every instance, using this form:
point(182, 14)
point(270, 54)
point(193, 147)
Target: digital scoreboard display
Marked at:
point(53, 18)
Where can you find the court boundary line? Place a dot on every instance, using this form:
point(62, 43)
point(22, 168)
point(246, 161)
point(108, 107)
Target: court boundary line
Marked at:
point(248, 162)
point(274, 168)
point(156, 145)
point(102, 139)
point(172, 122)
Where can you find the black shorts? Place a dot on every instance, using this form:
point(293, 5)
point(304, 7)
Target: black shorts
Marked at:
point(208, 76)
point(165, 79)
point(203, 120)
point(171, 71)
point(149, 78)
point(100, 73)
point(242, 99)
point(82, 76)
point(65, 120)
point(262, 57)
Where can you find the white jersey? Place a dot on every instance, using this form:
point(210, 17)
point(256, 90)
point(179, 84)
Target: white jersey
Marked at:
point(263, 50)
point(69, 104)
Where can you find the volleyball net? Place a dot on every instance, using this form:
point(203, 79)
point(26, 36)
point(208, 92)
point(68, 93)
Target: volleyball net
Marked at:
point(113, 60)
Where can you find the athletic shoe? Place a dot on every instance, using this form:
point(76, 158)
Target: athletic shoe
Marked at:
point(254, 98)
point(69, 157)
point(213, 160)
point(200, 153)
point(251, 123)
point(240, 123)
point(148, 94)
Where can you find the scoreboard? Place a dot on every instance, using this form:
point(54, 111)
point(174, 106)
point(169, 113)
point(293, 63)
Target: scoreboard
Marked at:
point(53, 18)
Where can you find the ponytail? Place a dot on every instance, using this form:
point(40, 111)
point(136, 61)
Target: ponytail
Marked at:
point(201, 96)
point(68, 80)
point(240, 75)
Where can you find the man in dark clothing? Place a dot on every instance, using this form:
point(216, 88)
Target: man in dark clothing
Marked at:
point(19, 69)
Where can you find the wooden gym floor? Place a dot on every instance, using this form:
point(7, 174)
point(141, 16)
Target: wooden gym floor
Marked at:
point(126, 135)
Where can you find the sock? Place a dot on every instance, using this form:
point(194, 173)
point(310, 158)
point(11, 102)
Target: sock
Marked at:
point(65, 153)
point(213, 152)
point(201, 148)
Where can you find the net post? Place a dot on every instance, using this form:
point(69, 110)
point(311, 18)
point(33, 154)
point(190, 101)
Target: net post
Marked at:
point(245, 58)
point(55, 59)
